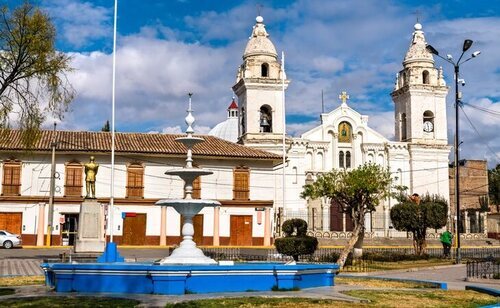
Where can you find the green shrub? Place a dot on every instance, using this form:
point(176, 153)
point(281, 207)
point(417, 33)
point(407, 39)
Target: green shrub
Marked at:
point(296, 242)
point(393, 257)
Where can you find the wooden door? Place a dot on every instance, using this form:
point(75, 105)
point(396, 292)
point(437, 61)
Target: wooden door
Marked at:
point(241, 230)
point(11, 222)
point(198, 228)
point(134, 230)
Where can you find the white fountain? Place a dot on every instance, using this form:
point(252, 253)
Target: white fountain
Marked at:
point(187, 252)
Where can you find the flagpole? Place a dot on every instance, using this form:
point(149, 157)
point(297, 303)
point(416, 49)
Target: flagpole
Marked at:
point(284, 124)
point(111, 198)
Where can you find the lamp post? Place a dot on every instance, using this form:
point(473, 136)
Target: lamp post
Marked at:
point(458, 96)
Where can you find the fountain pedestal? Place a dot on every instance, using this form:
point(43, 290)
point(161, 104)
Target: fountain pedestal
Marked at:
point(187, 252)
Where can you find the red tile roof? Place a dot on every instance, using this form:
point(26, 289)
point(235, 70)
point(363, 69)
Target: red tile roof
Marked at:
point(144, 143)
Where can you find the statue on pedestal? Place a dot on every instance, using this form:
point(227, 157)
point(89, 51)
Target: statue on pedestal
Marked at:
point(90, 174)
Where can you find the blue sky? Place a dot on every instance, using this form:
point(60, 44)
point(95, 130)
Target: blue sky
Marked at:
point(169, 48)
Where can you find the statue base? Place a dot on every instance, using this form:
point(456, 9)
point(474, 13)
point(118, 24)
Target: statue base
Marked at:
point(90, 227)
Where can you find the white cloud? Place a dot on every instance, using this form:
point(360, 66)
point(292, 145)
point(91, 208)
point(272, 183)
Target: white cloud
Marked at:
point(80, 22)
point(328, 64)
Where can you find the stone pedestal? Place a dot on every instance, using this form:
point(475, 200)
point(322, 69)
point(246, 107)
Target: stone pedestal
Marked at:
point(90, 227)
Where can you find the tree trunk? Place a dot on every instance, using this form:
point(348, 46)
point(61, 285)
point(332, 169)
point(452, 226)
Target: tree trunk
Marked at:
point(356, 232)
point(419, 243)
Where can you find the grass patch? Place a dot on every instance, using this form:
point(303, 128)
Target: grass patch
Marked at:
point(380, 283)
point(255, 302)
point(435, 298)
point(67, 301)
point(379, 265)
point(6, 291)
point(396, 299)
point(21, 281)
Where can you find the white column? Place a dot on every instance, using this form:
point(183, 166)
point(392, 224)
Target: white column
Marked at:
point(326, 216)
point(41, 224)
point(163, 226)
point(216, 240)
point(267, 227)
point(467, 224)
point(335, 163)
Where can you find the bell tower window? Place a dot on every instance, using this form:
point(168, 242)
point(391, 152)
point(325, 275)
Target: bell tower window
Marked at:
point(264, 70)
point(341, 159)
point(266, 120)
point(425, 77)
point(428, 122)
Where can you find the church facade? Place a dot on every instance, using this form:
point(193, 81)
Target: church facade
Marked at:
point(417, 158)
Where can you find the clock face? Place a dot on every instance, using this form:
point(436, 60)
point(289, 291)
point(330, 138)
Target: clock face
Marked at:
point(428, 127)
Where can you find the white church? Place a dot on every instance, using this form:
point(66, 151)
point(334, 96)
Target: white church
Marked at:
point(245, 153)
point(418, 158)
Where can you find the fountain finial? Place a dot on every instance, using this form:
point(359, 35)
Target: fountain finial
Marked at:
point(189, 118)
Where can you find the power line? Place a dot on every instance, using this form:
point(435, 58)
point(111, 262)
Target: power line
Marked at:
point(477, 132)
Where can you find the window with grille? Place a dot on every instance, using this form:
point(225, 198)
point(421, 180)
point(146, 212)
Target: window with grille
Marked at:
point(73, 182)
point(135, 181)
point(241, 186)
point(11, 185)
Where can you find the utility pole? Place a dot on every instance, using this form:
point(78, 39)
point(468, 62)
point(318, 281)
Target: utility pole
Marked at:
point(50, 220)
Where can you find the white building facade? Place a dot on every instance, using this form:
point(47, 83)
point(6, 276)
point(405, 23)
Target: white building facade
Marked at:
point(243, 182)
point(417, 158)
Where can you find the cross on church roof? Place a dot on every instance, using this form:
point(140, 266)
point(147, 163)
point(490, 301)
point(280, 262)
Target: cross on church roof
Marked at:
point(344, 97)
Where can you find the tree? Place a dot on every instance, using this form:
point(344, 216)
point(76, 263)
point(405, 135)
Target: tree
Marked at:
point(494, 186)
point(33, 79)
point(106, 127)
point(358, 192)
point(296, 242)
point(416, 216)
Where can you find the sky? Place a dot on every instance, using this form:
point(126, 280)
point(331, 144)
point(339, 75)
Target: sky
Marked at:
point(166, 49)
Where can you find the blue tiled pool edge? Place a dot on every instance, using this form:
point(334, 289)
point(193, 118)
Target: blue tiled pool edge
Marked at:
point(182, 279)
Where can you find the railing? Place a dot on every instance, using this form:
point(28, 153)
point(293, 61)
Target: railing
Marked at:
point(484, 269)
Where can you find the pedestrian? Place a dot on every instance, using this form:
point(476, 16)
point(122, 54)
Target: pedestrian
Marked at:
point(446, 241)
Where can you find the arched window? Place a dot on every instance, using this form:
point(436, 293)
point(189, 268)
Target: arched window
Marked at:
point(404, 78)
point(428, 121)
point(135, 181)
point(403, 127)
point(295, 175)
point(309, 160)
point(264, 70)
point(341, 159)
point(345, 132)
point(319, 161)
point(243, 119)
point(425, 77)
point(73, 179)
point(266, 119)
point(348, 159)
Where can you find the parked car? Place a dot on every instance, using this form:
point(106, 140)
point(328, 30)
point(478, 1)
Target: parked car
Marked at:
point(9, 240)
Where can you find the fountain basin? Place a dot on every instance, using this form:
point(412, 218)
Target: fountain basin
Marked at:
point(149, 278)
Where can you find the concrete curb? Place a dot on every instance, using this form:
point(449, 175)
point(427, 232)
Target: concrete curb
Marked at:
point(489, 291)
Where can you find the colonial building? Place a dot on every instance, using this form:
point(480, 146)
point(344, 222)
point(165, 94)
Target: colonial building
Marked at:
point(417, 158)
point(243, 182)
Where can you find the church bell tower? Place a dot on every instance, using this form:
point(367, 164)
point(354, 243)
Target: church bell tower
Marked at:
point(259, 86)
point(420, 96)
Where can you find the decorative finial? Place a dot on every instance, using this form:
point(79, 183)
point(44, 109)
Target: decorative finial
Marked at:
point(344, 97)
point(189, 118)
point(418, 25)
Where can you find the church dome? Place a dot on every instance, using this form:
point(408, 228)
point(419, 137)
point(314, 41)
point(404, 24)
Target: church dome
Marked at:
point(259, 43)
point(417, 51)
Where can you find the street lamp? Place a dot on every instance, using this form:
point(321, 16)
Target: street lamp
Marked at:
point(458, 96)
